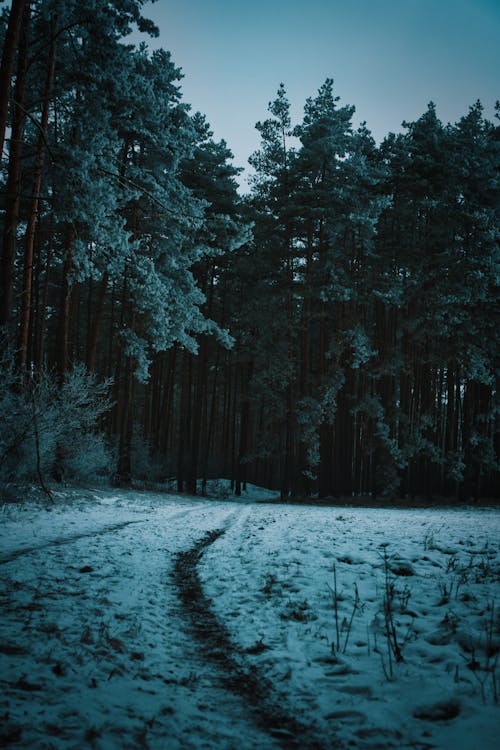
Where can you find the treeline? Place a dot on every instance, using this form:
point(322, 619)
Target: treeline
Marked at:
point(334, 332)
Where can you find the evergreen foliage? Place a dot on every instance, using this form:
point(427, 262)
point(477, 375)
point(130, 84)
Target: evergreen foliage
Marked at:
point(336, 332)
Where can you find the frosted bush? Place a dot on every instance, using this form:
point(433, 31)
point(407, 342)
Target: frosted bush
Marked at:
point(148, 466)
point(51, 425)
point(90, 457)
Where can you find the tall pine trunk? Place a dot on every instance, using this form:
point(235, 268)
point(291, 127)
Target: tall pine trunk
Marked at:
point(42, 313)
point(7, 63)
point(33, 214)
point(124, 468)
point(184, 425)
point(62, 344)
point(13, 187)
point(96, 323)
point(241, 474)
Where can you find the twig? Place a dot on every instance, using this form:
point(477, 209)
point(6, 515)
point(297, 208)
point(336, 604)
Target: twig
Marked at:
point(39, 128)
point(37, 445)
point(354, 610)
point(336, 607)
point(391, 633)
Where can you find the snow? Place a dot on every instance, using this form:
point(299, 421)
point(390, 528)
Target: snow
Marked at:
point(99, 649)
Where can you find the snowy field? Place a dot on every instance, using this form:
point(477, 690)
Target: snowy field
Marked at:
point(142, 620)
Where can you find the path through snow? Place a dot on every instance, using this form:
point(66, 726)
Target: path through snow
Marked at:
point(93, 644)
point(103, 645)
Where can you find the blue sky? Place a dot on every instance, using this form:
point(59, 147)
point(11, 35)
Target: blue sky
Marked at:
point(389, 58)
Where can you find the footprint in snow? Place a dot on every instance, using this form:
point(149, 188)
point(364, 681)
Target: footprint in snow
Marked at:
point(439, 711)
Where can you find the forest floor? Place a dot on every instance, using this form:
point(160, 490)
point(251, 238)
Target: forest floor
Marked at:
point(145, 620)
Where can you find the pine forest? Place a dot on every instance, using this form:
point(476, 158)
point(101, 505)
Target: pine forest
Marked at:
point(332, 333)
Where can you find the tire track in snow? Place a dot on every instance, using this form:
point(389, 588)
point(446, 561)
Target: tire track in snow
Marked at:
point(261, 700)
point(12, 556)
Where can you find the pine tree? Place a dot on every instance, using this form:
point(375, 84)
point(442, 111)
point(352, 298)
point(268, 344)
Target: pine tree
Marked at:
point(274, 295)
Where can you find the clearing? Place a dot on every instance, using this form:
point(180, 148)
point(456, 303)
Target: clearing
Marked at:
point(144, 620)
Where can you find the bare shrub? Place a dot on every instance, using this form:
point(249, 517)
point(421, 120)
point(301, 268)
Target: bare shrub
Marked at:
point(50, 429)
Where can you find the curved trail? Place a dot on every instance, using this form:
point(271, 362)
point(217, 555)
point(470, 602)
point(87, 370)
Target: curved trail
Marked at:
point(124, 627)
point(258, 693)
point(115, 660)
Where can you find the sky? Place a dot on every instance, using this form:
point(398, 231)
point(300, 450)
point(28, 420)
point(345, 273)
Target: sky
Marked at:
point(388, 58)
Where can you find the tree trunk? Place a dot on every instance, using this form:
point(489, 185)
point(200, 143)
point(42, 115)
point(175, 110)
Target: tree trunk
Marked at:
point(211, 423)
point(167, 405)
point(42, 317)
point(62, 353)
point(198, 414)
point(7, 64)
point(13, 187)
point(184, 423)
point(241, 474)
point(124, 469)
point(96, 323)
point(33, 214)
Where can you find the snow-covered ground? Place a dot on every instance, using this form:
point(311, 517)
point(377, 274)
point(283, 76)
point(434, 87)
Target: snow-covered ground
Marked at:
point(102, 647)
